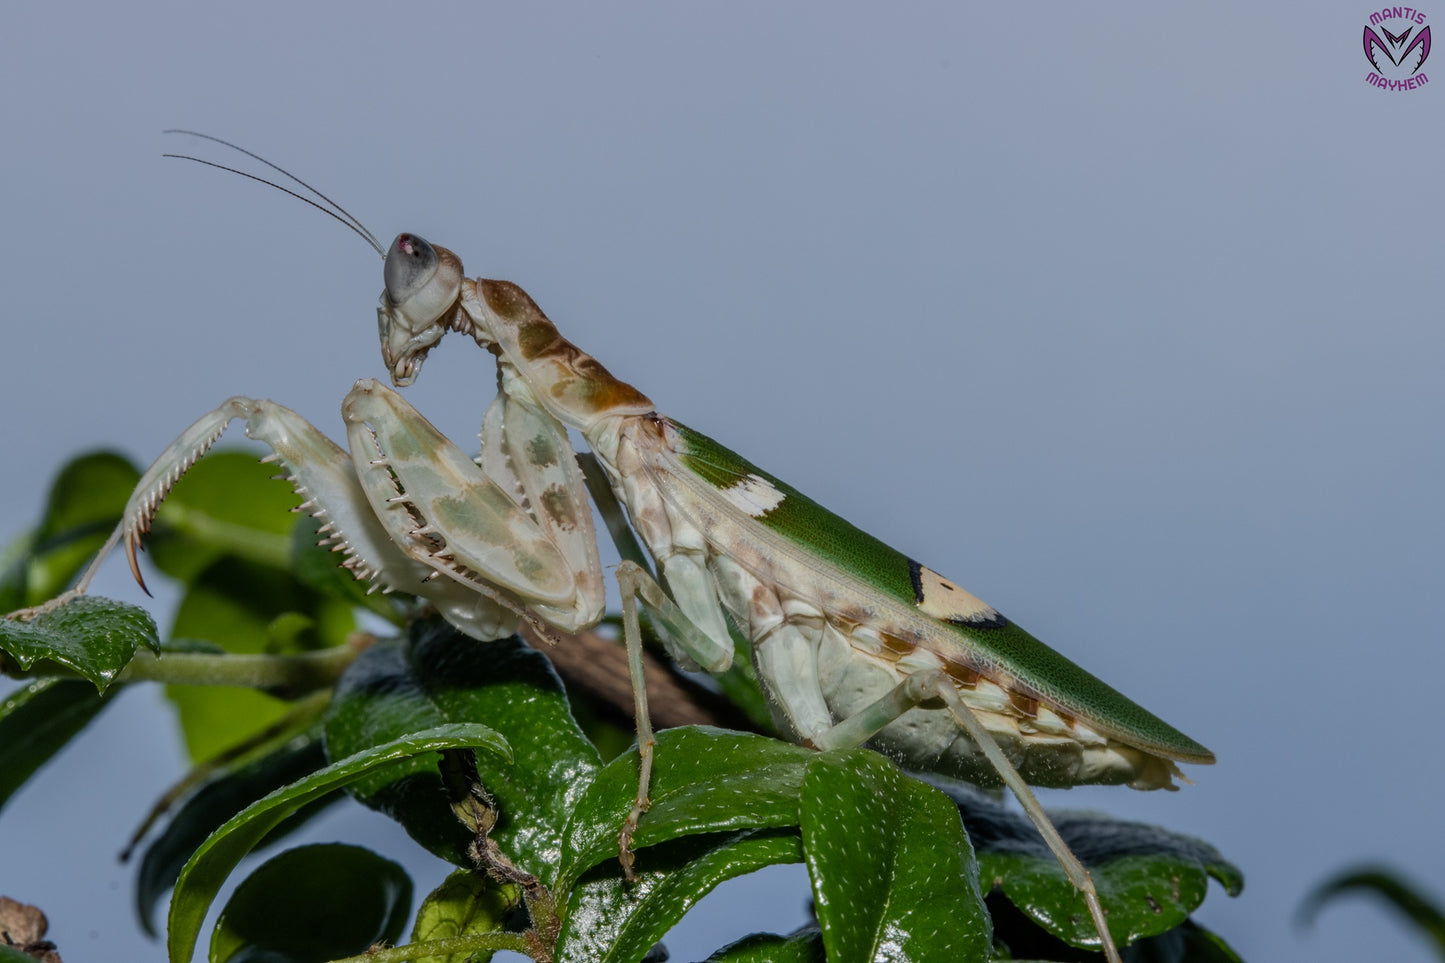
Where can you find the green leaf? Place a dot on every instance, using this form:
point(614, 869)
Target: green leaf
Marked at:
point(894, 876)
point(95, 637)
point(704, 780)
point(1396, 892)
point(466, 902)
point(85, 504)
point(612, 921)
point(236, 604)
point(804, 946)
point(14, 558)
point(1149, 879)
point(442, 677)
point(9, 954)
point(226, 505)
point(711, 787)
point(220, 798)
point(245, 608)
point(315, 903)
point(1186, 943)
point(1018, 937)
point(89, 491)
point(207, 870)
point(37, 720)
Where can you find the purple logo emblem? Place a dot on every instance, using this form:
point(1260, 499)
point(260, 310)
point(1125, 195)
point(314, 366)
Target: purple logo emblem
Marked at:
point(1398, 50)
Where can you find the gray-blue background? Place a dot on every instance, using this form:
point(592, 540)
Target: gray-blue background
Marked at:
point(1127, 318)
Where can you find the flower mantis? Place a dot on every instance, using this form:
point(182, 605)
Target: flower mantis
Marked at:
point(854, 642)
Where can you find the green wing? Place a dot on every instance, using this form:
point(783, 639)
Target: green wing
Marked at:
point(977, 627)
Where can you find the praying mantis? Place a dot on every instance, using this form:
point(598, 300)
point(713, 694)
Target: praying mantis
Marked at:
point(853, 641)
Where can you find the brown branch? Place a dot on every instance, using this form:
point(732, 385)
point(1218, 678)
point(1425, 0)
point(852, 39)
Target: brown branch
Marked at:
point(597, 666)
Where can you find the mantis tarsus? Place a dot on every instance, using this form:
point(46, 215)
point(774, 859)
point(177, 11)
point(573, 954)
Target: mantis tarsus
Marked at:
point(854, 642)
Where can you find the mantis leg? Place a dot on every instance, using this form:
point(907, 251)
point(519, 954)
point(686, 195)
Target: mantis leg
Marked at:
point(320, 471)
point(935, 686)
point(460, 518)
point(517, 527)
point(637, 584)
point(323, 475)
point(688, 642)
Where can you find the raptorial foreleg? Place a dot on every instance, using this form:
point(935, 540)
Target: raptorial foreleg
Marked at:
point(514, 528)
point(324, 477)
point(151, 490)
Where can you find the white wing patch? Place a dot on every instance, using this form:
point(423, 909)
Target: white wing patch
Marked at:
point(754, 495)
point(949, 602)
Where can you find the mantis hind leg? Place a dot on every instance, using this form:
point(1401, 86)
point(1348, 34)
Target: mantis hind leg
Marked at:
point(935, 686)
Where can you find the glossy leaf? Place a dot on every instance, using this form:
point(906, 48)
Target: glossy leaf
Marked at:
point(1018, 937)
point(805, 946)
point(95, 637)
point(612, 921)
point(466, 902)
point(36, 722)
point(894, 876)
point(1149, 879)
point(710, 789)
point(221, 797)
point(704, 780)
point(315, 903)
point(207, 870)
point(445, 677)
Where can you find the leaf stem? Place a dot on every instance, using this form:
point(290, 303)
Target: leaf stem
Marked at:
point(288, 676)
point(284, 676)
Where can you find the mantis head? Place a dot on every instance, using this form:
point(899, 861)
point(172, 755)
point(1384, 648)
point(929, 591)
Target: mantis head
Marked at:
point(423, 283)
point(419, 305)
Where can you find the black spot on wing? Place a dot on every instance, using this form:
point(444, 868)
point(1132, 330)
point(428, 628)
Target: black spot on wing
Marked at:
point(992, 621)
point(915, 575)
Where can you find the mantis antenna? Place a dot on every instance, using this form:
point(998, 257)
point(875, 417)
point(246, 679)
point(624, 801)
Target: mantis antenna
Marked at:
point(344, 216)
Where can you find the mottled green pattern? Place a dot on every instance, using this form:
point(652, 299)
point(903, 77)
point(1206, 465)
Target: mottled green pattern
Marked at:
point(804, 522)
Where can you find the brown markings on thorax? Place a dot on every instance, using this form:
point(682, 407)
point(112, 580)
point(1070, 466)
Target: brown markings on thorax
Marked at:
point(583, 381)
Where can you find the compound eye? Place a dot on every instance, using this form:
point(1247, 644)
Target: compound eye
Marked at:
point(410, 265)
